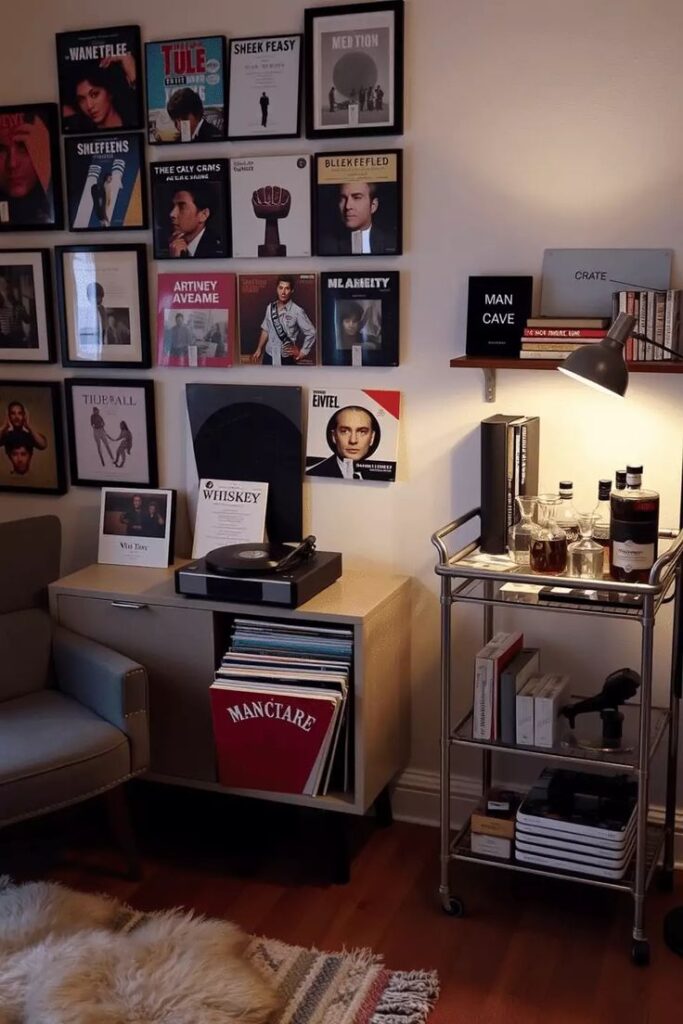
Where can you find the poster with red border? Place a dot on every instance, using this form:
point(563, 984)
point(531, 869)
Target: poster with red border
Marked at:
point(353, 434)
point(196, 316)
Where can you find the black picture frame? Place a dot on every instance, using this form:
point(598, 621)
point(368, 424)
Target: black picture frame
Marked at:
point(130, 179)
point(331, 174)
point(39, 208)
point(98, 52)
point(40, 306)
point(117, 392)
point(95, 323)
point(208, 182)
point(22, 392)
point(355, 63)
point(153, 97)
point(236, 135)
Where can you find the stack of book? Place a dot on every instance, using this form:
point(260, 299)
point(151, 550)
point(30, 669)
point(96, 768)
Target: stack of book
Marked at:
point(557, 337)
point(581, 822)
point(658, 317)
point(538, 703)
point(279, 702)
point(488, 668)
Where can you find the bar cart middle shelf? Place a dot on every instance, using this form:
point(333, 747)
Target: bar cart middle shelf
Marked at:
point(466, 582)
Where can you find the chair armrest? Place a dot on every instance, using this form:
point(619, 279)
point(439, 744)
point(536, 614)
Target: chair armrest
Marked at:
point(111, 685)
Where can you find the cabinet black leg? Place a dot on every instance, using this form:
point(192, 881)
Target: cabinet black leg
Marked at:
point(383, 813)
point(122, 831)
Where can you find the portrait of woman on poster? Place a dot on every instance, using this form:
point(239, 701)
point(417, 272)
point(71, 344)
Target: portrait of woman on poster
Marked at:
point(359, 326)
point(26, 190)
point(101, 96)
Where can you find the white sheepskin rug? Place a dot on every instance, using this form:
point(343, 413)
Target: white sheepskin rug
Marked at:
point(73, 958)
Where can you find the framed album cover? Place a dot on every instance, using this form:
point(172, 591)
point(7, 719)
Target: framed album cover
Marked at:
point(196, 319)
point(30, 175)
point(358, 203)
point(354, 70)
point(352, 434)
point(264, 98)
point(26, 329)
point(103, 306)
point(190, 210)
point(112, 433)
point(278, 319)
point(136, 527)
point(31, 439)
point(270, 197)
point(100, 80)
point(359, 318)
point(105, 182)
point(186, 90)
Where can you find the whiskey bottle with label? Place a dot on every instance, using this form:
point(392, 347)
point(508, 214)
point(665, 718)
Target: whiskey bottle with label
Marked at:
point(634, 527)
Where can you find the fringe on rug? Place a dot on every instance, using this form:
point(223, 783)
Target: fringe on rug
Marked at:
point(408, 998)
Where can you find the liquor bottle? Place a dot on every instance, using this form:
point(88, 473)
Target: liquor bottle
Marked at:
point(620, 480)
point(567, 517)
point(548, 551)
point(601, 526)
point(634, 527)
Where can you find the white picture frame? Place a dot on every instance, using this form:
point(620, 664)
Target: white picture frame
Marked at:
point(264, 91)
point(136, 527)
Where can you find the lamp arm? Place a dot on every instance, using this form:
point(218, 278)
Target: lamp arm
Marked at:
point(657, 344)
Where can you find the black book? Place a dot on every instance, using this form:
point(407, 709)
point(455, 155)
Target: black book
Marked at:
point(509, 467)
point(497, 312)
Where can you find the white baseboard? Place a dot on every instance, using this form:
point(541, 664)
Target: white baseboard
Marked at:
point(416, 799)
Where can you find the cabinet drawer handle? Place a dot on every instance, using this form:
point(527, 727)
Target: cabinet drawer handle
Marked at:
point(128, 604)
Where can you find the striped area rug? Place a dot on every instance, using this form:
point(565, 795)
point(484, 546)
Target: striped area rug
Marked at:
point(342, 988)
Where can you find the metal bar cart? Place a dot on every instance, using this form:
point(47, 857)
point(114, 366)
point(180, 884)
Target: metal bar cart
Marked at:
point(465, 582)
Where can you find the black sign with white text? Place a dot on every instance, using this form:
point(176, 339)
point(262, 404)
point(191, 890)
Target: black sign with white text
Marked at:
point(497, 312)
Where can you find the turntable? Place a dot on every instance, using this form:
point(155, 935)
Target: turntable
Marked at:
point(280, 574)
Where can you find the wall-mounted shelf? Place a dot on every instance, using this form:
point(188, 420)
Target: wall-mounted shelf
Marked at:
point(489, 367)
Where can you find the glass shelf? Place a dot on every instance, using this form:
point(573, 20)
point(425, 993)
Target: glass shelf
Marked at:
point(586, 727)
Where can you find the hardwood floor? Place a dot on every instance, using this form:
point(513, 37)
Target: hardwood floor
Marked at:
point(528, 950)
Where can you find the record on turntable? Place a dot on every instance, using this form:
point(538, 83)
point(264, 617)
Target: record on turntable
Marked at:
point(255, 557)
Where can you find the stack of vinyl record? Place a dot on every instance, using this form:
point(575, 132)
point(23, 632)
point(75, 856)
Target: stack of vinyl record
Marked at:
point(581, 822)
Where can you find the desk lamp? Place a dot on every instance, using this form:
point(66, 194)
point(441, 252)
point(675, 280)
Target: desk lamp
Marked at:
point(602, 366)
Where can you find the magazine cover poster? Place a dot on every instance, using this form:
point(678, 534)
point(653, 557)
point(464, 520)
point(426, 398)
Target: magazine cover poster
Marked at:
point(110, 439)
point(186, 90)
point(359, 318)
point(278, 319)
point(270, 198)
point(358, 203)
point(264, 95)
point(30, 180)
point(100, 79)
point(190, 210)
point(195, 319)
point(105, 182)
point(352, 434)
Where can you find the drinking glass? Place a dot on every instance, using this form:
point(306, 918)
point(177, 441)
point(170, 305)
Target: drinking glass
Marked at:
point(548, 551)
point(585, 555)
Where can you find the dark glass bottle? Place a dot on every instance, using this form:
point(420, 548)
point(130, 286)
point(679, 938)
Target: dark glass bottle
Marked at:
point(601, 528)
point(634, 527)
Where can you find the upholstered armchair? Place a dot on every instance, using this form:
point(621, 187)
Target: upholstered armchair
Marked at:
point(73, 714)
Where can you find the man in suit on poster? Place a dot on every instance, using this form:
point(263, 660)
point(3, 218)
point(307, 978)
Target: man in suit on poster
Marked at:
point(353, 434)
point(186, 106)
point(356, 233)
point(191, 233)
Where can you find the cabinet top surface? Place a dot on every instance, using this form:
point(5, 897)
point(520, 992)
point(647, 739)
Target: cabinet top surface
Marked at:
point(354, 596)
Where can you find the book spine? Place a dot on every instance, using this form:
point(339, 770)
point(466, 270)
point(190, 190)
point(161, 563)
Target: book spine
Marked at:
point(554, 346)
point(546, 707)
point(524, 725)
point(660, 314)
point(650, 326)
point(558, 356)
point(562, 332)
point(494, 487)
point(482, 707)
point(530, 437)
point(491, 846)
point(631, 342)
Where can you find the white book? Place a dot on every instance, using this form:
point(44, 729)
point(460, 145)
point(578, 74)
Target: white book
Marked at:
point(576, 867)
point(525, 712)
point(536, 834)
point(491, 846)
point(547, 703)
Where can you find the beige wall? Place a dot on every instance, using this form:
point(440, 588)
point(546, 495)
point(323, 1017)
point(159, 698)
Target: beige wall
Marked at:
point(528, 125)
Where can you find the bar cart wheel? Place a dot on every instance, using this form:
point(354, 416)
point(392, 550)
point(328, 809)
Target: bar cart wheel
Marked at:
point(640, 952)
point(453, 907)
point(665, 880)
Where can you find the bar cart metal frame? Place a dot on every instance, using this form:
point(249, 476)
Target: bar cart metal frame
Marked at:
point(467, 583)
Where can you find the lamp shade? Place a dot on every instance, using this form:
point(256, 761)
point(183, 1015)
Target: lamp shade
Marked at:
point(602, 366)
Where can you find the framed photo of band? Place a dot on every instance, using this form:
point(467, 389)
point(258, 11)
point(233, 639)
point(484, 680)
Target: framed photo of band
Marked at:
point(100, 80)
point(26, 328)
point(354, 70)
point(186, 90)
point(30, 176)
point(358, 203)
point(112, 432)
point(103, 306)
point(31, 438)
point(106, 182)
point(264, 97)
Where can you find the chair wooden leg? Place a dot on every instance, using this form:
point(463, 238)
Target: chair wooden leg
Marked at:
point(122, 831)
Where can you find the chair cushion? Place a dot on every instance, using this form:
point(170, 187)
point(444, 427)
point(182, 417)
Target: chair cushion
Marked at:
point(54, 751)
point(25, 650)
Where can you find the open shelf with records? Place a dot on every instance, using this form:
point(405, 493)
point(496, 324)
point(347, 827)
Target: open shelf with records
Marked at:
point(468, 577)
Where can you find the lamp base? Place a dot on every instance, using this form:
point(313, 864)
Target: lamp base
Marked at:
point(673, 930)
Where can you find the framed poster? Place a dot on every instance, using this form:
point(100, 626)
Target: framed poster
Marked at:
point(30, 175)
point(112, 433)
point(31, 439)
point(359, 318)
point(105, 183)
point(278, 319)
point(352, 434)
point(196, 319)
point(190, 210)
point(358, 203)
point(103, 305)
point(270, 198)
point(264, 98)
point(186, 90)
point(100, 79)
point(26, 330)
point(354, 70)
point(136, 527)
